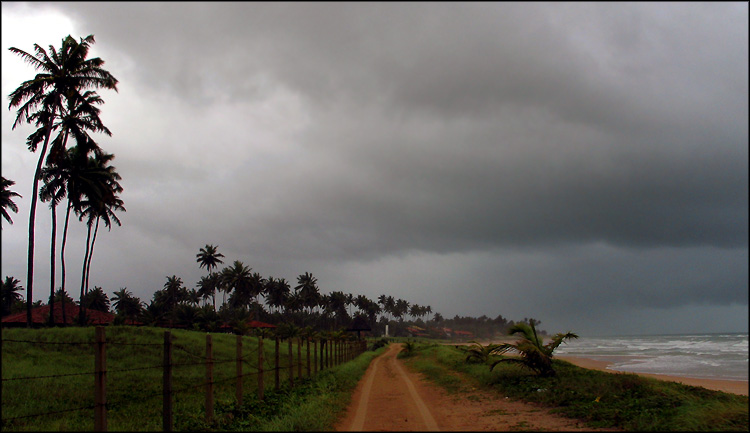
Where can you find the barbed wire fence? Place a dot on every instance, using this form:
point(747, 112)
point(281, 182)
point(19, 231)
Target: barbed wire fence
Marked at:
point(325, 354)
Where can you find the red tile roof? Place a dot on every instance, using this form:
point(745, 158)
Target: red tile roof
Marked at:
point(40, 315)
point(258, 324)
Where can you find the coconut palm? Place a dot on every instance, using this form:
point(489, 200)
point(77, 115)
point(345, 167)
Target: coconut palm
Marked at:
point(62, 75)
point(81, 115)
point(173, 293)
point(96, 299)
point(9, 294)
point(208, 257)
point(293, 303)
point(308, 289)
point(476, 352)
point(101, 205)
point(52, 191)
point(276, 292)
point(401, 308)
point(97, 211)
point(125, 304)
point(237, 278)
point(6, 198)
point(83, 178)
point(207, 287)
point(194, 297)
point(337, 306)
point(532, 352)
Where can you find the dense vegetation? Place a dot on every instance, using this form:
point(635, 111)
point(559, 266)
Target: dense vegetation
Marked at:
point(627, 401)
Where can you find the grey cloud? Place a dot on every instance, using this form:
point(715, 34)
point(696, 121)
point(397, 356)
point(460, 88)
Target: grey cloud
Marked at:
point(524, 152)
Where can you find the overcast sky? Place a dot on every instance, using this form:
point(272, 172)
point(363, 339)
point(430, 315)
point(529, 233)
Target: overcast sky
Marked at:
point(584, 164)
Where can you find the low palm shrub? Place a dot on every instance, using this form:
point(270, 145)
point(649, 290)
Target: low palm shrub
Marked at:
point(477, 353)
point(532, 353)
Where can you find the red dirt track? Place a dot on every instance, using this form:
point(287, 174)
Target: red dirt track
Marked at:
point(390, 397)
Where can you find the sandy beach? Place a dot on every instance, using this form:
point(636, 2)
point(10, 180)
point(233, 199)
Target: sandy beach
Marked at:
point(732, 386)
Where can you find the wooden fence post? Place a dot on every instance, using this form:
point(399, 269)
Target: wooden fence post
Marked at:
point(291, 363)
point(322, 354)
point(238, 389)
point(315, 356)
point(299, 357)
point(209, 379)
point(167, 384)
point(260, 367)
point(308, 357)
point(100, 381)
point(277, 363)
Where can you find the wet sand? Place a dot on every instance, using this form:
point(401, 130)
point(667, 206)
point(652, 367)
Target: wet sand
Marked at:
point(732, 386)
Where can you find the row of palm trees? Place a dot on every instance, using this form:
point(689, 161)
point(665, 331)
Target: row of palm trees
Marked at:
point(245, 288)
point(302, 305)
point(59, 103)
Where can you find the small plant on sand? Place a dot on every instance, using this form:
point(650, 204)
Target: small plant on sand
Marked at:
point(532, 353)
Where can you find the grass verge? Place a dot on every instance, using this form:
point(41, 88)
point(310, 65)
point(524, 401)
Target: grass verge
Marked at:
point(601, 399)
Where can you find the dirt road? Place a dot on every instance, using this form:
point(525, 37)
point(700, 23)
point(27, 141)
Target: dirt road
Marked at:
point(392, 398)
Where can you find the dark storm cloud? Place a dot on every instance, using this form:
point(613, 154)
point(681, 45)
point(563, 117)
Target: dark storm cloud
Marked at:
point(602, 148)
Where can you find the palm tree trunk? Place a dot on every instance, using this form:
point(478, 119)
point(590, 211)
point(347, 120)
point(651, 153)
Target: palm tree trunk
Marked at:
point(32, 219)
point(52, 267)
point(82, 314)
point(62, 261)
point(91, 254)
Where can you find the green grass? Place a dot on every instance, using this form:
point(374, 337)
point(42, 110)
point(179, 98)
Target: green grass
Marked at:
point(602, 399)
point(134, 397)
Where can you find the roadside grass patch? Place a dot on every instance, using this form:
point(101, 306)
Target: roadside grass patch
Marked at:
point(601, 399)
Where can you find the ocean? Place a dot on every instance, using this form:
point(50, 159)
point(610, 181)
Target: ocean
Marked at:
point(710, 356)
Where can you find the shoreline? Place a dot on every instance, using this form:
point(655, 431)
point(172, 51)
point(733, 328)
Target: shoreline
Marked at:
point(731, 386)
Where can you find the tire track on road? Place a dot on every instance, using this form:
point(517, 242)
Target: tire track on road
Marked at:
point(387, 399)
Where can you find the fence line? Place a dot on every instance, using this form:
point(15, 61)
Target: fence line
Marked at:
point(332, 353)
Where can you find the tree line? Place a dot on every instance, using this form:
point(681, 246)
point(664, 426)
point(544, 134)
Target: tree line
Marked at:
point(246, 295)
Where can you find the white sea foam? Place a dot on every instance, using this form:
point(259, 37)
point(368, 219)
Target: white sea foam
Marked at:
point(720, 356)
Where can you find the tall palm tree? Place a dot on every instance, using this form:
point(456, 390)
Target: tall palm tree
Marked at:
point(308, 289)
point(208, 258)
point(82, 178)
point(62, 76)
point(6, 198)
point(173, 293)
point(101, 202)
point(277, 292)
point(194, 297)
point(81, 116)
point(337, 306)
point(293, 303)
point(237, 278)
point(102, 212)
point(207, 287)
point(54, 193)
